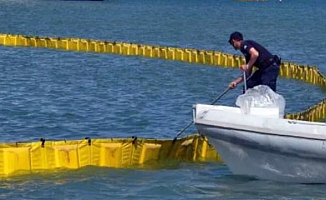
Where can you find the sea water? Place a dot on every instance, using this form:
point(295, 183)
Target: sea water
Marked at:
point(58, 94)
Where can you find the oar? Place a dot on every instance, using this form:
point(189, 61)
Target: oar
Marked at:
point(185, 128)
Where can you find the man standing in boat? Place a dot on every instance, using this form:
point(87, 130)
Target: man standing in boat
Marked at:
point(256, 55)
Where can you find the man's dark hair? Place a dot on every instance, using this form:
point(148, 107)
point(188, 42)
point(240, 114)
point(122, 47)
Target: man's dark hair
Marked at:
point(235, 36)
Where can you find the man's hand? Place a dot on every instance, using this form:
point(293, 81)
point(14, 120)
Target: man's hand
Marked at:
point(244, 67)
point(233, 84)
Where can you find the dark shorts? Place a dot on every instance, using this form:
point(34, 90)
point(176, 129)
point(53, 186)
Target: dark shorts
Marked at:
point(267, 76)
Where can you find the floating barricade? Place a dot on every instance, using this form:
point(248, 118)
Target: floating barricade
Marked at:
point(29, 157)
point(308, 74)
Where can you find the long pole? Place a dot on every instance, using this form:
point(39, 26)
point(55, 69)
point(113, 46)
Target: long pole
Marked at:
point(185, 128)
point(245, 81)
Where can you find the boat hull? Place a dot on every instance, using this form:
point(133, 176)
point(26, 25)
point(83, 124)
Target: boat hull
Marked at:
point(245, 157)
point(290, 157)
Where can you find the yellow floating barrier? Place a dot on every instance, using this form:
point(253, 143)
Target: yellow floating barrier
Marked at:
point(308, 74)
point(20, 158)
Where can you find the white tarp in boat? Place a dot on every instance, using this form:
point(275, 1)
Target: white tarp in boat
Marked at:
point(261, 96)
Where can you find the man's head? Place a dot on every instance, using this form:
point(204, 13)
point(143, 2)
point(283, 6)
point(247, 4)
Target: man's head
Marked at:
point(236, 39)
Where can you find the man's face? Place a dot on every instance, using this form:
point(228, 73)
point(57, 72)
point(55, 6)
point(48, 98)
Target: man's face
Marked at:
point(236, 44)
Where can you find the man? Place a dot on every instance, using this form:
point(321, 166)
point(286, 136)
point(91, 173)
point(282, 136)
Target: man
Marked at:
point(256, 55)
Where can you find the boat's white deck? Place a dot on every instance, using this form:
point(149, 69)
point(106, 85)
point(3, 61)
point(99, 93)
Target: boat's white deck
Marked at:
point(262, 120)
point(266, 112)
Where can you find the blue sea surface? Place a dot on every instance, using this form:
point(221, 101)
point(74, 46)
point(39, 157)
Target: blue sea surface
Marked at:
point(58, 94)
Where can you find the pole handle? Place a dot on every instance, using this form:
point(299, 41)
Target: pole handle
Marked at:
point(245, 81)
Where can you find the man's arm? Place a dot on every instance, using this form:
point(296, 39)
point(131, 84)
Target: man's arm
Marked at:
point(234, 83)
point(247, 67)
point(253, 57)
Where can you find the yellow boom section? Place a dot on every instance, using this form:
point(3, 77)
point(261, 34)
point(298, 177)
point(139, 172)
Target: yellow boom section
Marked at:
point(309, 74)
point(115, 153)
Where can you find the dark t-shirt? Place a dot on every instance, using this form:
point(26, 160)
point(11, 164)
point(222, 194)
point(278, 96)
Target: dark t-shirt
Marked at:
point(264, 54)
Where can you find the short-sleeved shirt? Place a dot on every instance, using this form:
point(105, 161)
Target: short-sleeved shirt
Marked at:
point(264, 54)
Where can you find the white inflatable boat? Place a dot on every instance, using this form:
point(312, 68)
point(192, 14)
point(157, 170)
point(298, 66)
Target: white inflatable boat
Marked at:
point(263, 145)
